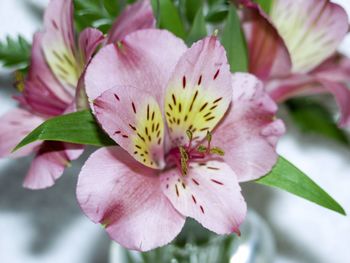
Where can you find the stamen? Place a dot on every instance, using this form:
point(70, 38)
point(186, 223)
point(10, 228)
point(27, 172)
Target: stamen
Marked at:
point(184, 159)
point(189, 134)
point(183, 155)
point(120, 45)
point(217, 150)
point(209, 137)
point(202, 149)
point(190, 137)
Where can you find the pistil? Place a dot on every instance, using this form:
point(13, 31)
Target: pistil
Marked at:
point(181, 156)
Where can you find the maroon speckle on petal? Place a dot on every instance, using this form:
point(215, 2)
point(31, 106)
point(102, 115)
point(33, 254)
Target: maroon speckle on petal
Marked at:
point(98, 103)
point(217, 182)
point(147, 111)
point(177, 191)
point(217, 100)
point(202, 209)
point(194, 199)
point(200, 80)
point(195, 181)
point(117, 97)
point(133, 107)
point(132, 127)
point(216, 74)
point(174, 99)
point(183, 82)
point(54, 24)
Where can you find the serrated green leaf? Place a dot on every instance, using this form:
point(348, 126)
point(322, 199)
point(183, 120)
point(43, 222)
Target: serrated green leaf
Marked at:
point(15, 52)
point(168, 17)
point(266, 5)
point(286, 176)
point(198, 29)
point(234, 42)
point(312, 117)
point(78, 127)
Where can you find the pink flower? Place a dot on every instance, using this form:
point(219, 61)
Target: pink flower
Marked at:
point(58, 60)
point(293, 50)
point(173, 111)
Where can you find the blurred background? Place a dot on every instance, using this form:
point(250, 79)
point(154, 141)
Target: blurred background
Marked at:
point(48, 226)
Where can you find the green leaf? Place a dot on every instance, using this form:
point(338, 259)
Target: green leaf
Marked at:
point(96, 13)
point(216, 2)
point(217, 13)
point(265, 5)
point(234, 42)
point(286, 176)
point(168, 17)
point(15, 52)
point(113, 7)
point(192, 8)
point(78, 127)
point(312, 117)
point(198, 29)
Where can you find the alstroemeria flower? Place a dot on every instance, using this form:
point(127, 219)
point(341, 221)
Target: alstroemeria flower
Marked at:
point(173, 111)
point(58, 60)
point(293, 49)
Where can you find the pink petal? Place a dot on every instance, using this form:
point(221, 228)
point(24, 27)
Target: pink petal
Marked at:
point(334, 75)
point(58, 43)
point(145, 60)
point(209, 193)
point(249, 132)
point(199, 91)
point(73, 151)
point(42, 93)
point(268, 55)
point(312, 30)
point(81, 99)
point(49, 163)
point(292, 86)
point(134, 120)
point(316, 83)
point(336, 69)
point(135, 17)
point(341, 94)
point(125, 196)
point(15, 125)
point(89, 39)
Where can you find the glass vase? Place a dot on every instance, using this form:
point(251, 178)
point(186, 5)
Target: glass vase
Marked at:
point(198, 245)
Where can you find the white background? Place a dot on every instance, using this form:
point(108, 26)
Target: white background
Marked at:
point(47, 226)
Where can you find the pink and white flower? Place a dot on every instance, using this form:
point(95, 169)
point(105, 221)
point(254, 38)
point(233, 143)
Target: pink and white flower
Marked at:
point(294, 49)
point(58, 60)
point(173, 111)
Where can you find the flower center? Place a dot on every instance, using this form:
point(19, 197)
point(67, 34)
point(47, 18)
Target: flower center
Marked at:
point(181, 156)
